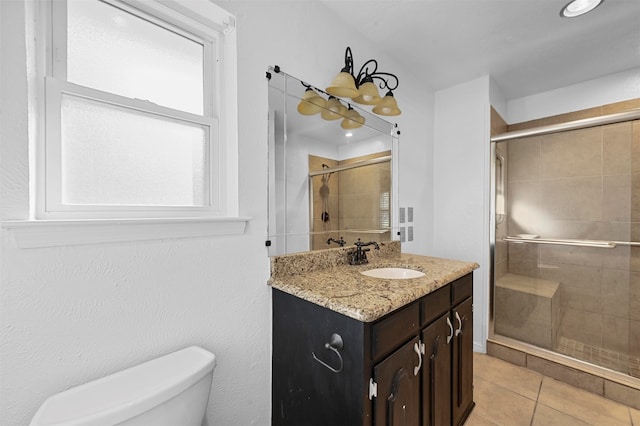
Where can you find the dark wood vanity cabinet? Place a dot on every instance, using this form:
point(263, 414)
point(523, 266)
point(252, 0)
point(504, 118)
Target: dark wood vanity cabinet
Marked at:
point(447, 376)
point(413, 366)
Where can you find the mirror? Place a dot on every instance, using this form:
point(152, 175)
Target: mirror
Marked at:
point(326, 182)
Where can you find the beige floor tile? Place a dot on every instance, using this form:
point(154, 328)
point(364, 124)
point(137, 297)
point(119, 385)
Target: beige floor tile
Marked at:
point(500, 405)
point(547, 416)
point(476, 419)
point(581, 404)
point(520, 380)
point(635, 417)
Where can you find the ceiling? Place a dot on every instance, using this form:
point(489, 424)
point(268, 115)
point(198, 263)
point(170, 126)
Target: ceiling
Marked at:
point(523, 44)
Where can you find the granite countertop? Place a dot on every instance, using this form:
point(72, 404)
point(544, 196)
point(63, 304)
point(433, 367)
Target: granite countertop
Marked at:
point(325, 279)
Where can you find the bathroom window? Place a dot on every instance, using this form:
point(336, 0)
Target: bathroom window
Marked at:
point(139, 121)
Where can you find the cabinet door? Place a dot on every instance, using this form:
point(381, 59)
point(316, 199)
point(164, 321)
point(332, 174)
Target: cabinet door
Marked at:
point(398, 400)
point(436, 373)
point(462, 360)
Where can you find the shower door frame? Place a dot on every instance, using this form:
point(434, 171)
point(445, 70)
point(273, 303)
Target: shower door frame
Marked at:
point(629, 115)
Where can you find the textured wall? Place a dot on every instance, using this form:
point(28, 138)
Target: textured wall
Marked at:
point(73, 314)
point(461, 186)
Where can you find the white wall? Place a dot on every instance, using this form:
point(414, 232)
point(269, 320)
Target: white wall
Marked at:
point(461, 186)
point(587, 94)
point(73, 314)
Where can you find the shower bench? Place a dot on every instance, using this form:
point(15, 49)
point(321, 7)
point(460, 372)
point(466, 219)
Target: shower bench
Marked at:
point(527, 309)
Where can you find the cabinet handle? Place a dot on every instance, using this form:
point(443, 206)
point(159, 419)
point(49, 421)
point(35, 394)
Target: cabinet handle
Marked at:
point(449, 337)
point(418, 347)
point(459, 329)
point(335, 344)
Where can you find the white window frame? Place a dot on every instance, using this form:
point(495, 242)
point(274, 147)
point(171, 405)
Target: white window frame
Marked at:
point(49, 190)
point(49, 229)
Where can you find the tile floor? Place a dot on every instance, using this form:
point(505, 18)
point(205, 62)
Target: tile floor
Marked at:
point(606, 358)
point(508, 395)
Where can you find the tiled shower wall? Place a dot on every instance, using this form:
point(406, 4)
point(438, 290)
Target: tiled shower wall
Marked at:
point(583, 184)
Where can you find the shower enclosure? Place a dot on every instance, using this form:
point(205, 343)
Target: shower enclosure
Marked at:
point(566, 252)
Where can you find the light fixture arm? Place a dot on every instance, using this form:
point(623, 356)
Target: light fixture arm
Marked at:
point(365, 75)
point(364, 71)
point(348, 61)
point(385, 82)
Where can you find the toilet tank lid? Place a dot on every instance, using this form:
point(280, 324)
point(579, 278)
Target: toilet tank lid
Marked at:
point(127, 393)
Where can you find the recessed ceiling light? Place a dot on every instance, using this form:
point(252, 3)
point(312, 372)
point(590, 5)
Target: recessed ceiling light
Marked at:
point(579, 7)
point(348, 134)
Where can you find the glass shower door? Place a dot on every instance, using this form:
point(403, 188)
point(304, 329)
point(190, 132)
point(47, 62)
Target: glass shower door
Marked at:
point(567, 257)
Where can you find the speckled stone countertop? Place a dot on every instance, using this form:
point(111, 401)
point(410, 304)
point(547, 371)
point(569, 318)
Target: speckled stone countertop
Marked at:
point(325, 278)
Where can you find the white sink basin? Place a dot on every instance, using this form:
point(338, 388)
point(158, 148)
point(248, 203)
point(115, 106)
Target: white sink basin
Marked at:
point(393, 273)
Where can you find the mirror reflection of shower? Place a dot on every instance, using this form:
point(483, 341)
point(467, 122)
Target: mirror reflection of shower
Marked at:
point(351, 199)
point(324, 195)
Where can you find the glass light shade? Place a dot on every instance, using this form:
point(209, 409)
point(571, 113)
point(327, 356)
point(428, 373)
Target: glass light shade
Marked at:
point(334, 109)
point(368, 94)
point(353, 120)
point(387, 106)
point(343, 85)
point(311, 103)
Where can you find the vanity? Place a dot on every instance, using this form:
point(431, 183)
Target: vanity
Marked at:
point(350, 349)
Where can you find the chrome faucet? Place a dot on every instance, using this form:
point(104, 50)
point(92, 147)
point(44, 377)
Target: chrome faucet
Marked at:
point(359, 255)
point(341, 241)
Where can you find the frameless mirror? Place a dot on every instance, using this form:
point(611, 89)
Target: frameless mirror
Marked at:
point(327, 183)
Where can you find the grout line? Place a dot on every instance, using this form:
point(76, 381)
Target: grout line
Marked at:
point(539, 389)
point(535, 408)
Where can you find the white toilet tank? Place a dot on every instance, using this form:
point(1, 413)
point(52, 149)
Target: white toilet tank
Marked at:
point(170, 390)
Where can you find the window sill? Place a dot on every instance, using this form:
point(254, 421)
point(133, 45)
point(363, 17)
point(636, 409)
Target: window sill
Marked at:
point(54, 233)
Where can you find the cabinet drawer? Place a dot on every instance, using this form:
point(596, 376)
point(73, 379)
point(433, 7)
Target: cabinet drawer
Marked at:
point(461, 289)
point(436, 304)
point(393, 330)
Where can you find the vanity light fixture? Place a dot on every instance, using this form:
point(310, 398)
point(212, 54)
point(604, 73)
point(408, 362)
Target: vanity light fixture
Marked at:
point(579, 7)
point(352, 120)
point(311, 103)
point(361, 87)
point(334, 109)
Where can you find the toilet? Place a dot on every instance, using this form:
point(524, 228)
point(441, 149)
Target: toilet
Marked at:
point(167, 391)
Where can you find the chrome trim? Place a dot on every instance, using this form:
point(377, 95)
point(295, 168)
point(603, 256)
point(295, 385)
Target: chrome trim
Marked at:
point(569, 125)
point(354, 165)
point(570, 242)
